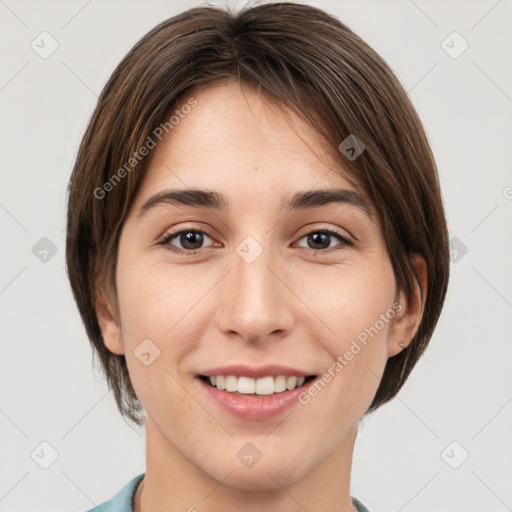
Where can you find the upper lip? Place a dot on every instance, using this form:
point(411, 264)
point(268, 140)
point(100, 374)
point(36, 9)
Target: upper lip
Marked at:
point(272, 370)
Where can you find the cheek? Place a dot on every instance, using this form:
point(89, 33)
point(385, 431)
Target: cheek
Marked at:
point(160, 312)
point(359, 316)
point(157, 303)
point(354, 302)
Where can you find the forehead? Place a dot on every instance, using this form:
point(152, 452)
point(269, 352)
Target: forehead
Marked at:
point(236, 141)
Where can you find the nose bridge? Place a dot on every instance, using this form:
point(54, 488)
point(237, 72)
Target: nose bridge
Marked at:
point(254, 302)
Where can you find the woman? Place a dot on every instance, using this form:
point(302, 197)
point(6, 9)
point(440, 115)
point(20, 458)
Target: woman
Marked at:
point(257, 245)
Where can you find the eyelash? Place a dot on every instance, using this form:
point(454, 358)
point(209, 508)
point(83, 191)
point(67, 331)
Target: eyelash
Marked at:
point(166, 241)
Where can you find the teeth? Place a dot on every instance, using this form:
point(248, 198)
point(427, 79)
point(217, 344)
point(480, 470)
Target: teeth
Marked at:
point(280, 384)
point(291, 383)
point(246, 385)
point(220, 382)
point(264, 386)
point(231, 383)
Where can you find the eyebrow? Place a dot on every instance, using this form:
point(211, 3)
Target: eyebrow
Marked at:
point(310, 199)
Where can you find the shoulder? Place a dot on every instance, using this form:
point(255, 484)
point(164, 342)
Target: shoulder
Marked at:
point(122, 501)
point(359, 506)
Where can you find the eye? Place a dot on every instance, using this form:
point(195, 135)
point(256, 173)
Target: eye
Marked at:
point(190, 239)
point(321, 238)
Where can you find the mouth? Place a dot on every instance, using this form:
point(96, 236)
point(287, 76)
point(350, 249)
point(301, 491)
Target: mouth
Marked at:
point(270, 385)
point(255, 394)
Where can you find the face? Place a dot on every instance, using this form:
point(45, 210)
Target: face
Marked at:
point(252, 291)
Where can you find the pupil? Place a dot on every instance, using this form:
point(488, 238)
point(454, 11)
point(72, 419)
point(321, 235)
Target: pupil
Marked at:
point(317, 238)
point(188, 238)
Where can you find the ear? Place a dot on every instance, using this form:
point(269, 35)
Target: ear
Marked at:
point(410, 312)
point(109, 325)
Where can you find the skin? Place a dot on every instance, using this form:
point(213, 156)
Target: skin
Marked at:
point(290, 306)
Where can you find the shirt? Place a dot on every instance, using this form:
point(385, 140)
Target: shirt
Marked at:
point(123, 500)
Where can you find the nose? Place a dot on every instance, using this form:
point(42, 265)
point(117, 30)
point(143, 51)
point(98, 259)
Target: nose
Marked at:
point(256, 301)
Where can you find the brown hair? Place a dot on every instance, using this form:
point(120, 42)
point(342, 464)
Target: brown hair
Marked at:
point(302, 58)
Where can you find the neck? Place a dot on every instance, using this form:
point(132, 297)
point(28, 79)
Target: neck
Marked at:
point(172, 482)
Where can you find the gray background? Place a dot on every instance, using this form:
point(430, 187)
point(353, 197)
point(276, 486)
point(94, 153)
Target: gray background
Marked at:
point(461, 389)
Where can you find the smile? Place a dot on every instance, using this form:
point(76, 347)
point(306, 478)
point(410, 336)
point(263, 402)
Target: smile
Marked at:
point(254, 393)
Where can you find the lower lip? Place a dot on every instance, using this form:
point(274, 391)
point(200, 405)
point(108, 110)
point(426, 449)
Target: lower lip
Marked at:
point(255, 408)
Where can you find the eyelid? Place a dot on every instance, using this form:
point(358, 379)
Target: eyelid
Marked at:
point(343, 233)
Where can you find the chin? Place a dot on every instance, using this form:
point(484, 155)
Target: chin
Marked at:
point(248, 480)
point(265, 475)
